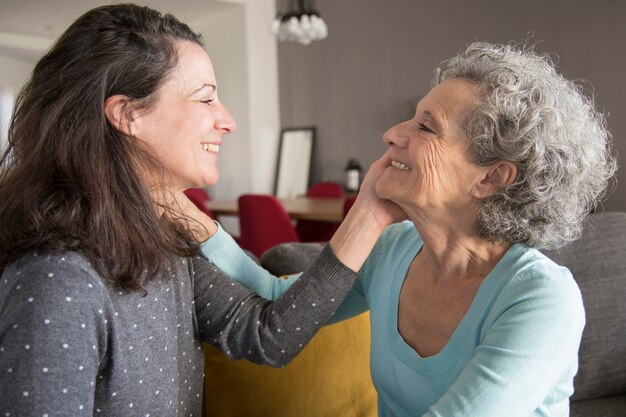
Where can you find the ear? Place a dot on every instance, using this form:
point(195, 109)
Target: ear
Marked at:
point(497, 175)
point(117, 112)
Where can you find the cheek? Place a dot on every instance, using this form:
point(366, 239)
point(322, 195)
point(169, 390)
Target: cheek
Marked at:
point(432, 165)
point(379, 186)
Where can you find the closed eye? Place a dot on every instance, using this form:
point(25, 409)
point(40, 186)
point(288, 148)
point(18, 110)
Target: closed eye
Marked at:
point(208, 102)
point(424, 128)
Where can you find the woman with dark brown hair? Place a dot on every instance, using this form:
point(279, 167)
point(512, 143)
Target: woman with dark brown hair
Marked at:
point(104, 302)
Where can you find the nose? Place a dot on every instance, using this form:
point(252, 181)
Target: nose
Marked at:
point(224, 121)
point(396, 136)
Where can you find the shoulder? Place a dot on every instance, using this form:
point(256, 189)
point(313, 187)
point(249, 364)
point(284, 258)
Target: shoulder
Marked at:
point(542, 285)
point(532, 304)
point(69, 267)
point(59, 282)
point(534, 270)
point(57, 305)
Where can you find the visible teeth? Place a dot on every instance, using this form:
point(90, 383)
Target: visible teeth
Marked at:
point(210, 147)
point(399, 165)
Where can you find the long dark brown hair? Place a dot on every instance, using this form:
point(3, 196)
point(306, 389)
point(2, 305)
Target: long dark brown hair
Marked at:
point(69, 180)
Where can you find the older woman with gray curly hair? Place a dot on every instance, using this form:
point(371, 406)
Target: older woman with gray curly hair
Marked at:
point(503, 157)
point(533, 117)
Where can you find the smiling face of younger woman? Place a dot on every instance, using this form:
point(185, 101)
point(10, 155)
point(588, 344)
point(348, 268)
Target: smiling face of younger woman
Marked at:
point(185, 125)
point(430, 165)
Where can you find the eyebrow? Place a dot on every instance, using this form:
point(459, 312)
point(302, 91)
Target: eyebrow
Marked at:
point(211, 86)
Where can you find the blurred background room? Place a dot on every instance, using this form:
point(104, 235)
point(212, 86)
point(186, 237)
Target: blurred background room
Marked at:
point(366, 75)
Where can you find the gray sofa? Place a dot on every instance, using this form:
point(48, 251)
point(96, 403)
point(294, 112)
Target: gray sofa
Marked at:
point(598, 262)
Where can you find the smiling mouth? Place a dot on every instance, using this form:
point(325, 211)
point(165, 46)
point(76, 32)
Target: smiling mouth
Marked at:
point(210, 147)
point(400, 166)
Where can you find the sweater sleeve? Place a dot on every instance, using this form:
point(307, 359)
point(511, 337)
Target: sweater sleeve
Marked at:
point(52, 337)
point(245, 325)
point(222, 250)
point(529, 348)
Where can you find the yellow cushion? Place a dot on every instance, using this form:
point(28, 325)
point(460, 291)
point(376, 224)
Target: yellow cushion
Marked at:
point(330, 377)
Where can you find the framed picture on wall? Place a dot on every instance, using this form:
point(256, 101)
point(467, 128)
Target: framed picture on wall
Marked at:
point(294, 162)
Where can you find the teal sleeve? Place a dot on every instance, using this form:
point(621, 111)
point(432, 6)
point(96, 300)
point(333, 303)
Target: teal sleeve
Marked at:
point(222, 250)
point(525, 353)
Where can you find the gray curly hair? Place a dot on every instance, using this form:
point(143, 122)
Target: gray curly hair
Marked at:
point(530, 115)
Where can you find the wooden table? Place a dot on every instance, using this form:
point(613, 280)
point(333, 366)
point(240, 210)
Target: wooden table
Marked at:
point(301, 208)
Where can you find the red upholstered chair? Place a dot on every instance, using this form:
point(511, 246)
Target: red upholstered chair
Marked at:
point(263, 223)
point(200, 197)
point(317, 231)
point(325, 190)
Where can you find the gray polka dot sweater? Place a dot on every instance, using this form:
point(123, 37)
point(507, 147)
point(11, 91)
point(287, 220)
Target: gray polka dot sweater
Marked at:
point(74, 344)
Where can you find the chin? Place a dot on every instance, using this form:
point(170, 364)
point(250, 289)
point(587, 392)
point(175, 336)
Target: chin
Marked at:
point(208, 180)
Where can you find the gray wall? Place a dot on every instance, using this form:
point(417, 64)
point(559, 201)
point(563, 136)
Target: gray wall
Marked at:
point(376, 64)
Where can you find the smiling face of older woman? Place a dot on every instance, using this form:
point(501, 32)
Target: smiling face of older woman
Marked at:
point(431, 168)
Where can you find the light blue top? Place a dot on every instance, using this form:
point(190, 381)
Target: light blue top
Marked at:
point(514, 354)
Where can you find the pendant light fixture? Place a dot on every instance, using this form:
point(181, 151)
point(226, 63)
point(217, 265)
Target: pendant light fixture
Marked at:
point(299, 21)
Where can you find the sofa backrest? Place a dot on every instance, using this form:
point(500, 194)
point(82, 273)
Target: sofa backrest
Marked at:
point(598, 263)
point(290, 258)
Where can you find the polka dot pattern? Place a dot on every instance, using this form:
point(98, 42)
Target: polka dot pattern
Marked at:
point(100, 350)
point(69, 365)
